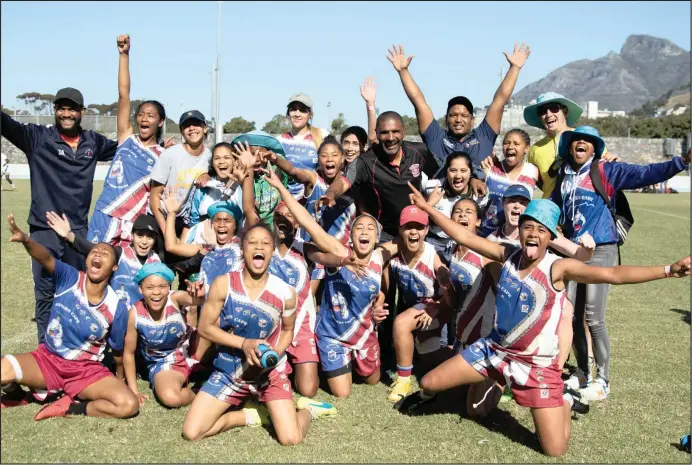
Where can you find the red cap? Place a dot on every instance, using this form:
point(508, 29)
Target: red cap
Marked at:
point(413, 214)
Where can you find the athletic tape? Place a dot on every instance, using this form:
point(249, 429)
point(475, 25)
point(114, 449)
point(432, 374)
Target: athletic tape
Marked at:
point(18, 374)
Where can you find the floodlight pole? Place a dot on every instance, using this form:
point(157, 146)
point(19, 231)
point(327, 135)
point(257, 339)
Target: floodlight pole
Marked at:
point(219, 126)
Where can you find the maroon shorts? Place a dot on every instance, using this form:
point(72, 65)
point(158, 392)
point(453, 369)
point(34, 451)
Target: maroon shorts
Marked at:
point(303, 350)
point(235, 391)
point(70, 376)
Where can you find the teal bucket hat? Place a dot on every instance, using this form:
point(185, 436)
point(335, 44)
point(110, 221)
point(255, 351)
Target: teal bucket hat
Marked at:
point(581, 132)
point(545, 212)
point(227, 207)
point(531, 117)
point(154, 268)
point(261, 139)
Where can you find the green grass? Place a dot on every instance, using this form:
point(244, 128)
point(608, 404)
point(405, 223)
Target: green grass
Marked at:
point(649, 407)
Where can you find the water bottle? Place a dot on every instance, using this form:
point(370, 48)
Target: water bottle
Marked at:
point(685, 443)
point(269, 357)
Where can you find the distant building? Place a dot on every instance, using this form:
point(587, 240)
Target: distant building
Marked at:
point(592, 111)
point(512, 116)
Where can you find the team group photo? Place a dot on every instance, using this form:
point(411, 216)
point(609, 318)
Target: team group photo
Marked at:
point(414, 260)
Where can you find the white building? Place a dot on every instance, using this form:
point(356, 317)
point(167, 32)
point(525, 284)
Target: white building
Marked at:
point(592, 111)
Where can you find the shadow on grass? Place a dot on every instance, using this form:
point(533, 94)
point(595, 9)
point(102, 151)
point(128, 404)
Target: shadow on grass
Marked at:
point(685, 314)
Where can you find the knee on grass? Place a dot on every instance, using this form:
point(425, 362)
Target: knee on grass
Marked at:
point(554, 449)
point(307, 388)
point(126, 406)
point(290, 439)
point(172, 398)
point(192, 432)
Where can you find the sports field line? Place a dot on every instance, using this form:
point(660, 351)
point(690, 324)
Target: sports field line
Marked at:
point(687, 218)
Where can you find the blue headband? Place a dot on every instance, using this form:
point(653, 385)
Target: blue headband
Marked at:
point(157, 269)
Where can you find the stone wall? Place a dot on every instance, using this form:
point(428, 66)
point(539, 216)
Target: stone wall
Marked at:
point(639, 151)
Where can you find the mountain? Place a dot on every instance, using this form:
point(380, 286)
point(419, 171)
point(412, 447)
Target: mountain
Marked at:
point(646, 68)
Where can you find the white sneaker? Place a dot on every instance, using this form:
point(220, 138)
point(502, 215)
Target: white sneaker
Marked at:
point(575, 382)
point(598, 390)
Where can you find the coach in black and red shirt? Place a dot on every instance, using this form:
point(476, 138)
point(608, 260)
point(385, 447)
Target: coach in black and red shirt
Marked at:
point(384, 171)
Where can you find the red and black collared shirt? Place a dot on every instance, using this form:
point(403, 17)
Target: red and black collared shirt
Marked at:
point(384, 186)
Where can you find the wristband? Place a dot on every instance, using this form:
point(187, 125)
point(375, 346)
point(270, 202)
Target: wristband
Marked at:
point(371, 107)
point(667, 270)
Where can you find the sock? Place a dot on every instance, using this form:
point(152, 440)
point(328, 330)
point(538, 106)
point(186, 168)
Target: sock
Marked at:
point(404, 372)
point(568, 398)
point(426, 396)
point(9, 387)
point(313, 413)
point(77, 408)
point(251, 417)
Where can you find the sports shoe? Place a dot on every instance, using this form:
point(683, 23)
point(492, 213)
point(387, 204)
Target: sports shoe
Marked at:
point(598, 390)
point(400, 389)
point(579, 404)
point(317, 408)
point(576, 382)
point(56, 409)
point(14, 398)
point(412, 403)
point(257, 414)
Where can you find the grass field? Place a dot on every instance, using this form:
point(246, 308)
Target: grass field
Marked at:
point(647, 413)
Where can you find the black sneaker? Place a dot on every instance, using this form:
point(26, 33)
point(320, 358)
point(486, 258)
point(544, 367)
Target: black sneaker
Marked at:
point(411, 403)
point(579, 405)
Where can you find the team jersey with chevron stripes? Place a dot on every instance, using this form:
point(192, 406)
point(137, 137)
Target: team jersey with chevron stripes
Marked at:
point(528, 311)
point(220, 261)
point(78, 330)
point(123, 279)
point(335, 220)
point(126, 188)
point(416, 284)
point(475, 297)
point(166, 340)
point(346, 309)
point(251, 319)
point(498, 181)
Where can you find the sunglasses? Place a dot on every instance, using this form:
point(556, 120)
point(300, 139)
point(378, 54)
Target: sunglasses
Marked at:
point(299, 107)
point(552, 107)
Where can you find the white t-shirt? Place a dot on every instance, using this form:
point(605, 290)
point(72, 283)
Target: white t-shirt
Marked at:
point(176, 167)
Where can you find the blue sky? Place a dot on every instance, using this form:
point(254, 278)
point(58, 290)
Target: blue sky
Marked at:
point(271, 50)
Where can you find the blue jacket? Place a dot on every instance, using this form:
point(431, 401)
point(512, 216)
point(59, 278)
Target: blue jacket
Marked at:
point(61, 179)
point(583, 210)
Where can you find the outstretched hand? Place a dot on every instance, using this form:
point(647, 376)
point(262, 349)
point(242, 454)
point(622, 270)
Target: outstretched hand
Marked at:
point(681, 268)
point(519, 55)
point(417, 198)
point(17, 234)
point(369, 91)
point(124, 44)
point(61, 225)
point(398, 59)
point(169, 196)
point(244, 155)
point(271, 177)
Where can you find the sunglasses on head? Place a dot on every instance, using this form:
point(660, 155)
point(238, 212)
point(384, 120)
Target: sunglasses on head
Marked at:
point(552, 107)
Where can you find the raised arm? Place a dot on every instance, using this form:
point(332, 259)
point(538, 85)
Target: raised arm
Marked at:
point(155, 204)
point(248, 186)
point(504, 92)
point(318, 235)
point(369, 93)
point(61, 226)
point(572, 270)
point(23, 136)
point(353, 176)
point(129, 356)
point(306, 177)
point(288, 323)
point(622, 176)
point(490, 250)
point(170, 240)
point(124, 122)
point(36, 250)
point(582, 251)
point(424, 114)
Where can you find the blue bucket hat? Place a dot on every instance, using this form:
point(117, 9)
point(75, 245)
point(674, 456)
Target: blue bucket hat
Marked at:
point(545, 212)
point(531, 117)
point(261, 139)
point(227, 207)
point(517, 190)
point(154, 268)
point(585, 132)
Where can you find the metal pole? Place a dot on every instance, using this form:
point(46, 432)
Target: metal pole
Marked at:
point(213, 95)
point(219, 126)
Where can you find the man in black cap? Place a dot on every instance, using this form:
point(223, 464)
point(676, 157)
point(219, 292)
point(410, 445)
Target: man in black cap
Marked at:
point(461, 135)
point(179, 165)
point(62, 160)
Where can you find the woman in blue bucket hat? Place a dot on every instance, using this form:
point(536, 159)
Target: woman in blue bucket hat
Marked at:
point(584, 210)
point(522, 348)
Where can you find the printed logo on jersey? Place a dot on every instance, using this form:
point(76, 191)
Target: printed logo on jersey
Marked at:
point(55, 331)
point(415, 170)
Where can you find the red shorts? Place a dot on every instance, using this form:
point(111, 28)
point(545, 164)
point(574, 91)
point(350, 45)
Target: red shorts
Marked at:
point(235, 391)
point(303, 351)
point(70, 376)
point(338, 359)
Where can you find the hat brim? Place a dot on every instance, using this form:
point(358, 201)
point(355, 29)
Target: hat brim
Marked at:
point(567, 137)
point(191, 118)
point(574, 111)
point(81, 104)
point(553, 231)
point(259, 140)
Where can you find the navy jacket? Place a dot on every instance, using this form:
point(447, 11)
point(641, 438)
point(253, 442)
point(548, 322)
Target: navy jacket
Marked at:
point(61, 179)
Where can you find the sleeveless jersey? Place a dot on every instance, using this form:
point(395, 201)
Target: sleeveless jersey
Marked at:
point(258, 319)
point(475, 297)
point(293, 270)
point(499, 236)
point(168, 339)
point(417, 284)
point(528, 311)
point(77, 330)
point(126, 188)
point(220, 261)
point(498, 181)
point(122, 280)
point(347, 304)
point(302, 153)
point(336, 220)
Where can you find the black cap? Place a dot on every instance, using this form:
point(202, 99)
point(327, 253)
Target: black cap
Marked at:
point(192, 114)
point(146, 223)
point(68, 93)
point(460, 101)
